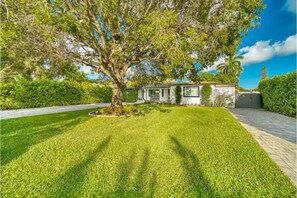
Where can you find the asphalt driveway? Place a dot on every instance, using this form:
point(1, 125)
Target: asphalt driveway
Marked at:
point(273, 123)
point(17, 113)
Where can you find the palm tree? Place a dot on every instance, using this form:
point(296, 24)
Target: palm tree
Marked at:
point(231, 66)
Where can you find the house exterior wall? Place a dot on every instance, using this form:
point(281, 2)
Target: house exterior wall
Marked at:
point(165, 97)
point(191, 100)
point(226, 90)
point(216, 91)
point(140, 94)
point(172, 94)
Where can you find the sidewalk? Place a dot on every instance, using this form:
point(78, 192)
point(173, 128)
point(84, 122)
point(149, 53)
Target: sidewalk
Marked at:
point(17, 113)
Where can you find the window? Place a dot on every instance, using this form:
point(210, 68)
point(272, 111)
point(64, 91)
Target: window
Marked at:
point(168, 92)
point(153, 92)
point(191, 91)
point(162, 92)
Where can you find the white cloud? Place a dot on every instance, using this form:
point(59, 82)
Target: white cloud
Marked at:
point(263, 50)
point(216, 63)
point(85, 69)
point(290, 6)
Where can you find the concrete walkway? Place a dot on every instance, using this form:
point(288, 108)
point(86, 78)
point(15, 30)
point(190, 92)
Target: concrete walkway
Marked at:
point(280, 150)
point(17, 113)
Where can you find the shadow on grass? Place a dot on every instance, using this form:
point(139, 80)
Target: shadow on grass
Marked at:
point(71, 182)
point(142, 185)
point(193, 171)
point(18, 135)
point(148, 108)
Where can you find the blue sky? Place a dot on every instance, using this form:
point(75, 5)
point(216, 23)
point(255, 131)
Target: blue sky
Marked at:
point(273, 44)
point(278, 25)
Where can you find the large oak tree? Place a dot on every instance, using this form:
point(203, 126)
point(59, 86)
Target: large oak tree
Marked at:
point(30, 49)
point(177, 37)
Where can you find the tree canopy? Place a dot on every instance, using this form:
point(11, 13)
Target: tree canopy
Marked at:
point(264, 73)
point(30, 49)
point(178, 38)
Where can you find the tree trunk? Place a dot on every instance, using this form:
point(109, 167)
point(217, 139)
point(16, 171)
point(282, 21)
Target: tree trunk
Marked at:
point(117, 96)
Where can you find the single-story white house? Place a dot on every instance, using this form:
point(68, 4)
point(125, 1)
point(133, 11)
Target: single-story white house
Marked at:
point(191, 92)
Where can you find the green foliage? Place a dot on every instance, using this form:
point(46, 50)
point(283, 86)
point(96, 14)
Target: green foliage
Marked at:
point(242, 89)
point(224, 78)
point(118, 35)
point(205, 94)
point(178, 94)
point(207, 77)
point(279, 94)
point(130, 95)
point(231, 66)
point(264, 73)
point(27, 46)
point(182, 152)
point(44, 92)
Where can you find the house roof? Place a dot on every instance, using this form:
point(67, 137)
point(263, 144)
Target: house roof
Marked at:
point(168, 85)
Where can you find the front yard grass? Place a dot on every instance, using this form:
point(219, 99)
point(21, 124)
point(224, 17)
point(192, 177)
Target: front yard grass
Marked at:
point(171, 151)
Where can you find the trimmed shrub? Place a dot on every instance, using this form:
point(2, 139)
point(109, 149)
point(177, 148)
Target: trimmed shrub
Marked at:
point(125, 110)
point(178, 95)
point(45, 93)
point(279, 94)
point(205, 94)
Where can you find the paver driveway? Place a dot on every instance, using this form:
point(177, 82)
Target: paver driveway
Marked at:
point(275, 133)
point(269, 122)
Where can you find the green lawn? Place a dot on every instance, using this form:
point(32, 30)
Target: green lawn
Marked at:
point(169, 152)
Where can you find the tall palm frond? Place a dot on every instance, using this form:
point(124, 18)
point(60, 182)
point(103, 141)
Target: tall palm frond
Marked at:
point(231, 66)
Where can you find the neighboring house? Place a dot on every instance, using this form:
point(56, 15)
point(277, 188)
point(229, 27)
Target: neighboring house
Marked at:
point(191, 93)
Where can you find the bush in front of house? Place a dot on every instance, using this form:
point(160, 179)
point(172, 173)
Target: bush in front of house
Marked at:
point(126, 110)
point(45, 93)
point(178, 94)
point(205, 94)
point(279, 94)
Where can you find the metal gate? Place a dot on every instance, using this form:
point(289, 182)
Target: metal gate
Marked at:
point(248, 100)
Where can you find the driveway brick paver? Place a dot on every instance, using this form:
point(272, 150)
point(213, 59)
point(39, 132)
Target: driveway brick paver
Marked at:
point(280, 150)
point(272, 123)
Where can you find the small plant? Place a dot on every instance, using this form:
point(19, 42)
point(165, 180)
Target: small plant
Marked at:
point(178, 95)
point(205, 93)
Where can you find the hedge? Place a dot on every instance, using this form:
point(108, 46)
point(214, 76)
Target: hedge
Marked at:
point(279, 94)
point(130, 95)
point(178, 94)
point(45, 93)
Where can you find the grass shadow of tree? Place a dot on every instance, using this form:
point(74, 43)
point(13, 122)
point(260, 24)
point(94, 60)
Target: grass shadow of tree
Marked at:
point(142, 185)
point(18, 139)
point(71, 182)
point(148, 108)
point(193, 171)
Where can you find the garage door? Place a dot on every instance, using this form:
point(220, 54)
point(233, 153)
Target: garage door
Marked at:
point(248, 100)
